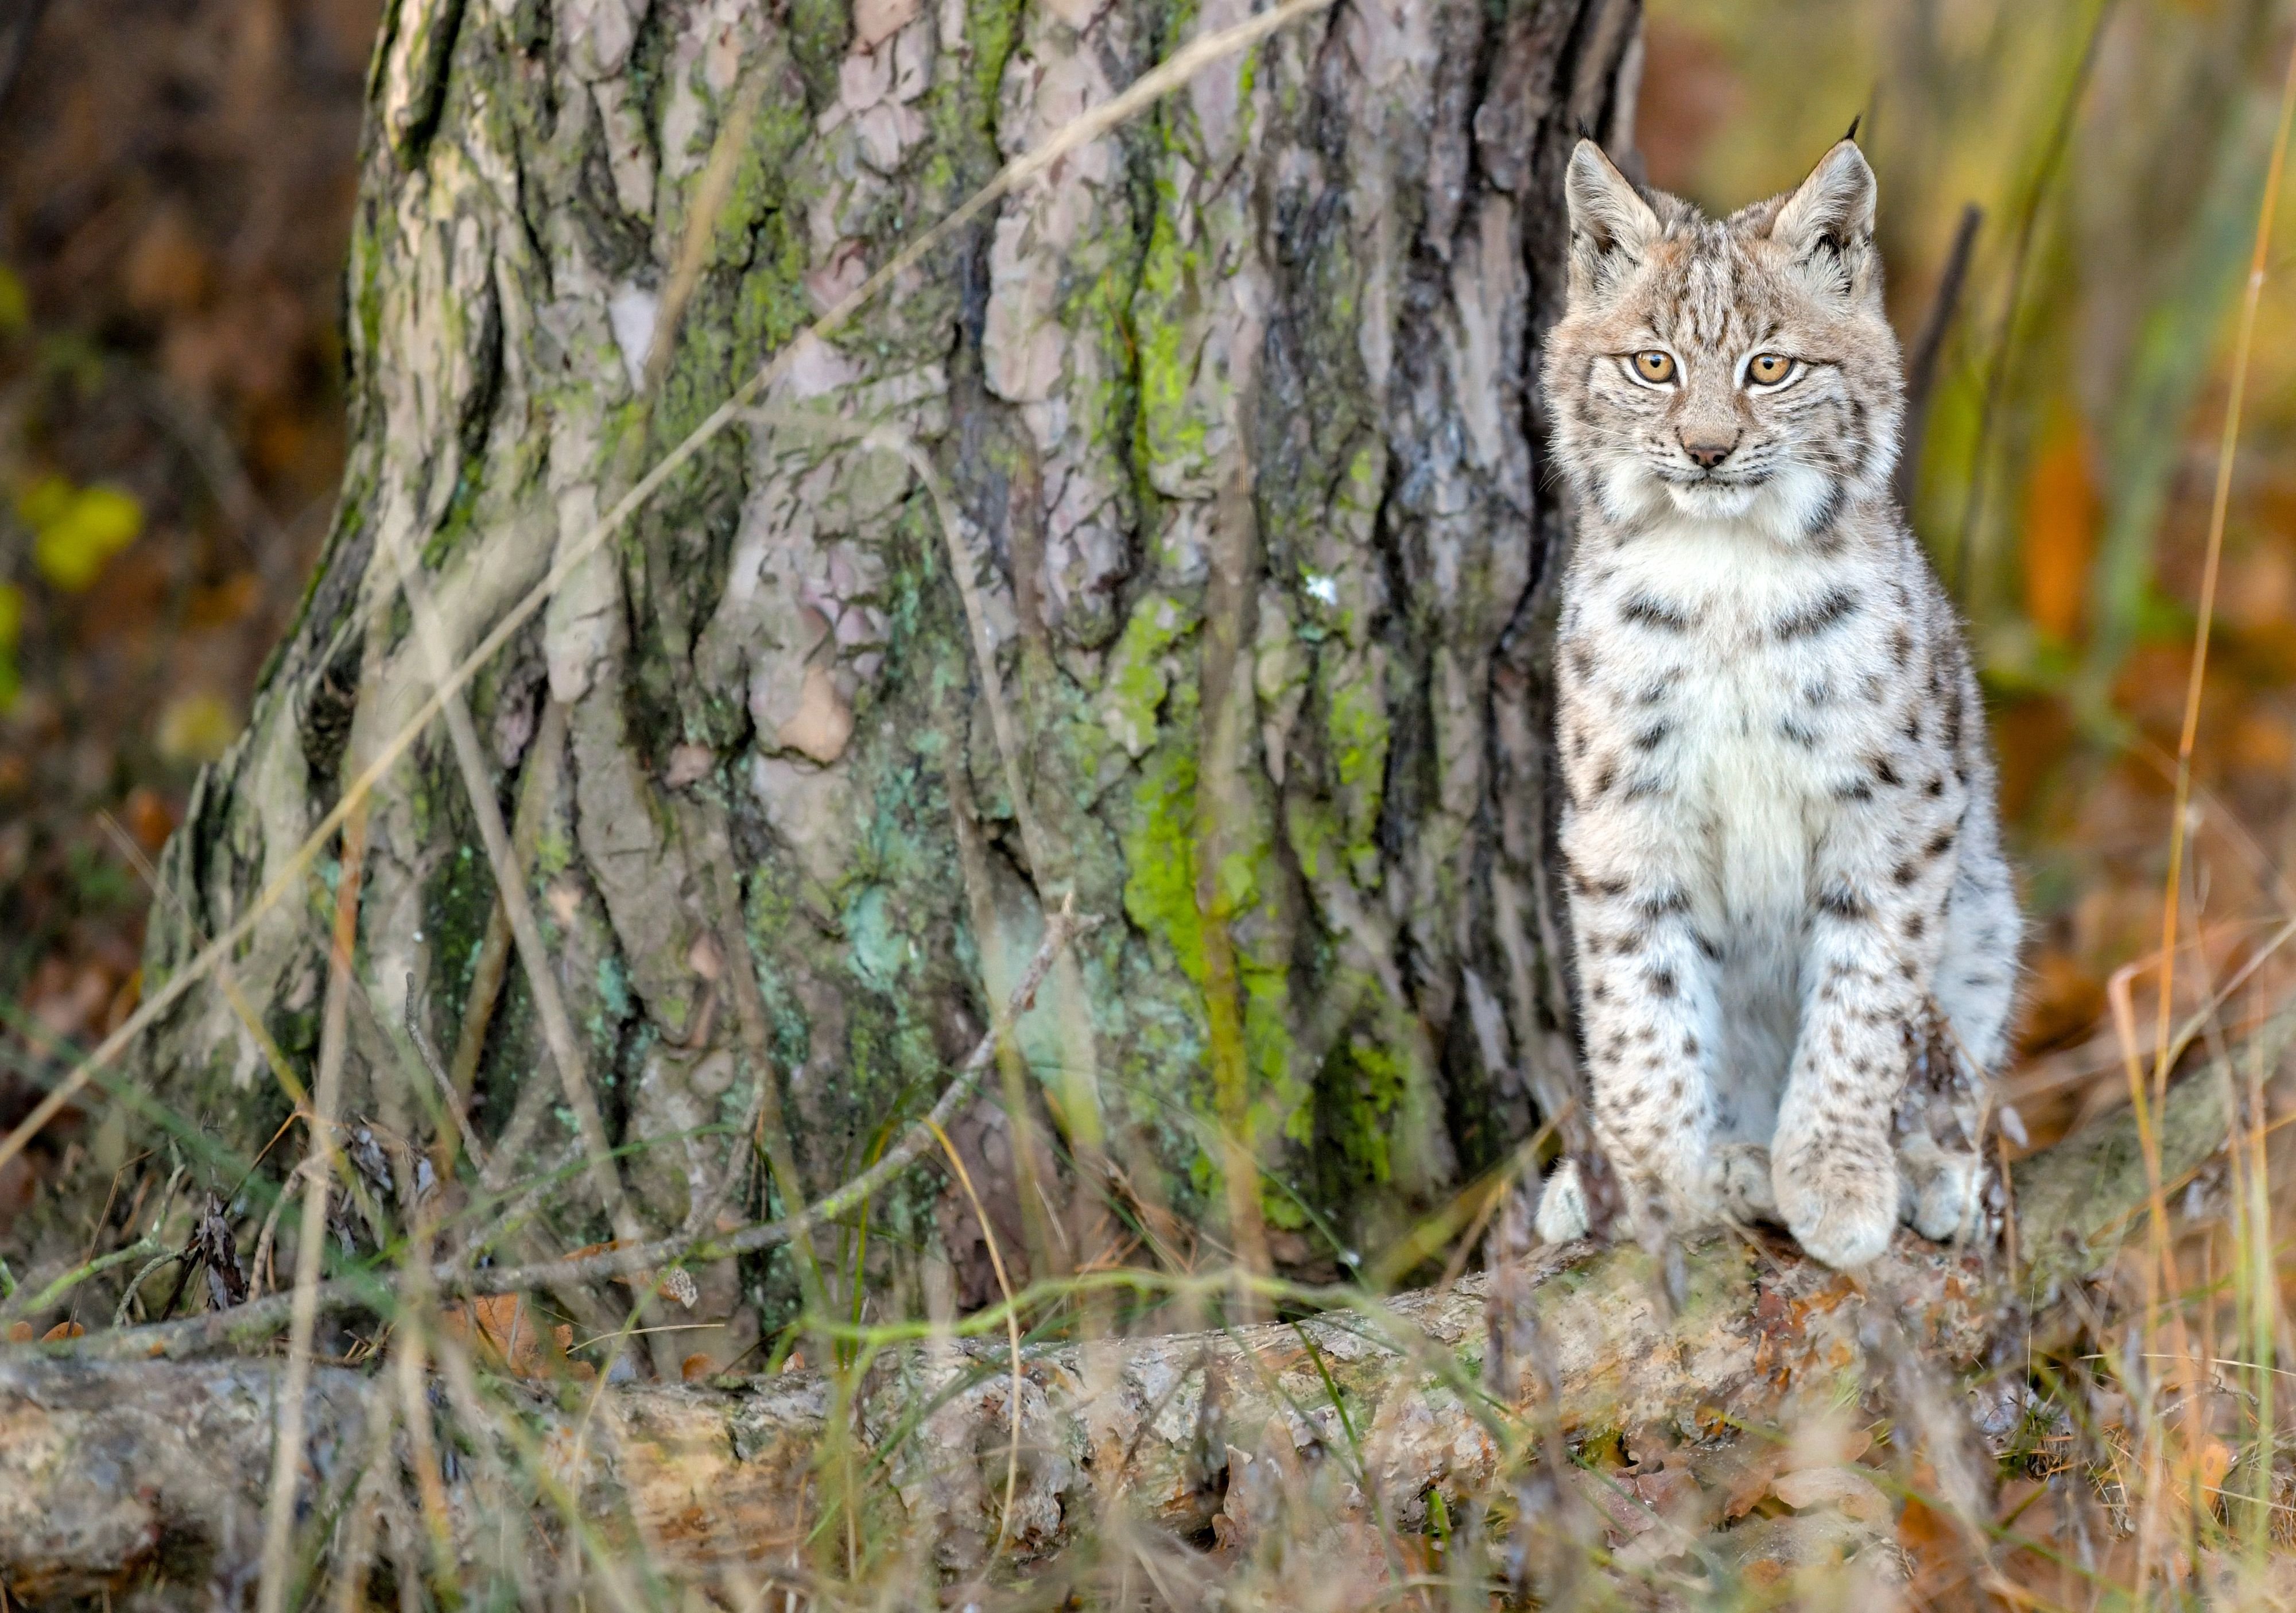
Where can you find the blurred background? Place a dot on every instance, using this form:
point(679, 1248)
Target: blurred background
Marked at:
point(2069, 196)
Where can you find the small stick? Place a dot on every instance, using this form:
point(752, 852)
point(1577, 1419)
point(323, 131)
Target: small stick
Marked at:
point(429, 1054)
point(1929, 347)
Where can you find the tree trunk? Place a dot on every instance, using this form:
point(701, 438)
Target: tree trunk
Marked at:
point(1233, 411)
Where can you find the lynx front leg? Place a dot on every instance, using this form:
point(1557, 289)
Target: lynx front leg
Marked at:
point(1874, 938)
point(1648, 1002)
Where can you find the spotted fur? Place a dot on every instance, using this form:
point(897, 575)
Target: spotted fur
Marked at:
point(1782, 847)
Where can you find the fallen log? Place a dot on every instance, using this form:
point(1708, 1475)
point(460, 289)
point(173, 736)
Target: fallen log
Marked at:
point(113, 1470)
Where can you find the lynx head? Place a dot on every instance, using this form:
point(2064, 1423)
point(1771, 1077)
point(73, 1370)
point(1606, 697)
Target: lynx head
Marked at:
point(1738, 369)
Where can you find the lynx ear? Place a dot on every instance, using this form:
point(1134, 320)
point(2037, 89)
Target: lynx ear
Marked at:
point(1828, 222)
point(1610, 224)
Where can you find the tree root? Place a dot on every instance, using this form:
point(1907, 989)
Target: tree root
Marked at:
point(111, 1470)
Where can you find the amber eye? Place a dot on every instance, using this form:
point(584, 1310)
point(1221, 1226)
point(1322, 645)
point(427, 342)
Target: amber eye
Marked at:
point(1769, 369)
point(1655, 365)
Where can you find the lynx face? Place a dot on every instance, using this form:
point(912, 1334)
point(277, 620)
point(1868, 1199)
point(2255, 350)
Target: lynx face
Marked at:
point(1738, 369)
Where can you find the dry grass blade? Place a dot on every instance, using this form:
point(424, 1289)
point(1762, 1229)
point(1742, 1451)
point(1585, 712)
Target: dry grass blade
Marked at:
point(2162, 1269)
point(509, 890)
point(311, 1243)
point(1012, 1334)
point(2219, 507)
point(1151, 87)
point(257, 1317)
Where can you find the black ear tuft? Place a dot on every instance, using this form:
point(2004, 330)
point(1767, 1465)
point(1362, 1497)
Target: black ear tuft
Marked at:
point(1854, 122)
point(1610, 223)
point(1827, 223)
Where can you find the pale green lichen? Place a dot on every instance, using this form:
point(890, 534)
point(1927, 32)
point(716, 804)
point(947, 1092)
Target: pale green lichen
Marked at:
point(1135, 684)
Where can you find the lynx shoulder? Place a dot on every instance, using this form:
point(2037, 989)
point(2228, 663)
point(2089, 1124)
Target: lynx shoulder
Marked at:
point(1795, 934)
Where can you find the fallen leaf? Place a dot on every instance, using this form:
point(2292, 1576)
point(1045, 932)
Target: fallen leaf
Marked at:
point(508, 1332)
point(1845, 1488)
point(61, 1331)
point(2216, 1461)
point(77, 530)
point(694, 1368)
point(197, 727)
point(1752, 1482)
point(20, 1332)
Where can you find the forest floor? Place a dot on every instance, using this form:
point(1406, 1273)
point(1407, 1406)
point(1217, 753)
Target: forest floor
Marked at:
point(175, 201)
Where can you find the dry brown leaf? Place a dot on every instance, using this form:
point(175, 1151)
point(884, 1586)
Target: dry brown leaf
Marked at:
point(20, 1332)
point(2216, 1461)
point(61, 1331)
point(1846, 1488)
point(1752, 1482)
point(694, 1368)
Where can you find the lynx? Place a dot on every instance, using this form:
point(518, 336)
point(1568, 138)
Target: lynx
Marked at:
point(1795, 933)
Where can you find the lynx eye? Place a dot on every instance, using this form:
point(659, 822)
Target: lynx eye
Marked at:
point(1654, 366)
point(1769, 369)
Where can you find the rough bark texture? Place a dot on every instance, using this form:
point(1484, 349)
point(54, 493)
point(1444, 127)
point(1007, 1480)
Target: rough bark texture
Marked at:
point(1434, 1392)
point(1236, 412)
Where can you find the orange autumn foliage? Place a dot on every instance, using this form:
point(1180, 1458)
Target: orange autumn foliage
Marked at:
point(2062, 513)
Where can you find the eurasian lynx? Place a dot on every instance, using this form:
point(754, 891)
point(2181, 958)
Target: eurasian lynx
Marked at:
point(1796, 936)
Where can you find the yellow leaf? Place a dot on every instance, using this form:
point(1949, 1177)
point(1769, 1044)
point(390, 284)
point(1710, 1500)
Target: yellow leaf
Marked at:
point(76, 530)
point(196, 728)
point(44, 502)
point(11, 629)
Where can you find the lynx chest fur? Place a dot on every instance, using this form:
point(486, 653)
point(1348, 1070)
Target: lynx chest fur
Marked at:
point(1783, 865)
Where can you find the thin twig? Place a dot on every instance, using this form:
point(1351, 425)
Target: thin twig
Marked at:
point(543, 758)
point(127, 1299)
point(711, 192)
point(1012, 1333)
point(1929, 349)
point(509, 887)
point(66, 1282)
point(311, 1243)
point(443, 1077)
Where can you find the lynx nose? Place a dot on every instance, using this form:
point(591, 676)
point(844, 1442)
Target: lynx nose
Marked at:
point(1709, 451)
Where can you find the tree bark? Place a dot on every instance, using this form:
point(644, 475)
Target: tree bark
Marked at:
point(1235, 417)
point(1361, 1415)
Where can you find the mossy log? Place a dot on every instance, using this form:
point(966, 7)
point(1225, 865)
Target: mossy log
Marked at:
point(114, 1471)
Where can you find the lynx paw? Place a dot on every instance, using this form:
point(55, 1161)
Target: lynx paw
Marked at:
point(1741, 1182)
point(1941, 1190)
point(1563, 1217)
point(1842, 1209)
